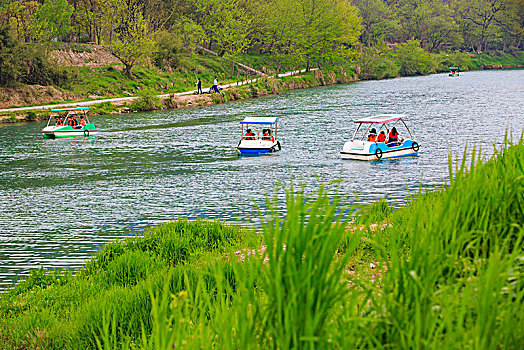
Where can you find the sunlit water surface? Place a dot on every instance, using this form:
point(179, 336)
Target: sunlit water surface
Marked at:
point(60, 200)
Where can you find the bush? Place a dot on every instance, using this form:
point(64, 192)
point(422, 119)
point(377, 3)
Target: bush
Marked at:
point(454, 59)
point(377, 63)
point(10, 56)
point(148, 101)
point(414, 60)
point(27, 64)
point(168, 50)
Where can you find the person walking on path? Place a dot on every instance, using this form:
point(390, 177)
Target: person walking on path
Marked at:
point(199, 87)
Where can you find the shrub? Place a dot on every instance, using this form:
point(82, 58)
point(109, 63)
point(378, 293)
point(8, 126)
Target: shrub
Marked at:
point(413, 59)
point(10, 56)
point(167, 54)
point(377, 63)
point(148, 101)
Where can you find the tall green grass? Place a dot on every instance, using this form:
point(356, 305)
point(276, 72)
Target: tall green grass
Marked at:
point(444, 271)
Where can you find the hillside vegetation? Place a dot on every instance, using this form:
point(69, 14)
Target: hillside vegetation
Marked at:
point(159, 45)
point(445, 271)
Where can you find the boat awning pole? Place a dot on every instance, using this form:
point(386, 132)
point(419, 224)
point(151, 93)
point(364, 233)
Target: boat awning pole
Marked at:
point(355, 134)
point(407, 129)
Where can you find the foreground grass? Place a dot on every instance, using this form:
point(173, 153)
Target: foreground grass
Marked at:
point(446, 272)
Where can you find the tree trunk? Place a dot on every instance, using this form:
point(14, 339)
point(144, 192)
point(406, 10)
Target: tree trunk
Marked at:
point(127, 70)
point(232, 67)
point(307, 64)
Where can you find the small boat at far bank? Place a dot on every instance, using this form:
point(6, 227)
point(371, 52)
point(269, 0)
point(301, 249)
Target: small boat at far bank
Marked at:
point(258, 139)
point(383, 144)
point(453, 71)
point(74, 123)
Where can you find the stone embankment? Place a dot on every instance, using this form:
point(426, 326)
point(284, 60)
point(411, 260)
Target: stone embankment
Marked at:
point(502, 66)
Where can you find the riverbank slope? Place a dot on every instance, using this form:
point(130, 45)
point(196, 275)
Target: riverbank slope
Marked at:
point(99, 79)
point(445, 270)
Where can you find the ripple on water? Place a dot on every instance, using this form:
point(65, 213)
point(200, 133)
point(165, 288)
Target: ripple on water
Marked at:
point(61, 200)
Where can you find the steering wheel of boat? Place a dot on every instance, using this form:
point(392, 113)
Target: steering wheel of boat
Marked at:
point(378, 153)
point(415, 146)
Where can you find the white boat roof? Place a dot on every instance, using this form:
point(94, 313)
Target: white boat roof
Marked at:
point(381, 118)
point(259, 120)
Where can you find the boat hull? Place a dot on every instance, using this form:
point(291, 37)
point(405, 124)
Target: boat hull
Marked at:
point(453, 75)
point(364, 150)
point(58, 132)
point(257, 146)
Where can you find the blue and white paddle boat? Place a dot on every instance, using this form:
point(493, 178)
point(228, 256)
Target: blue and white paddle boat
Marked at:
point(259, 135)
point(385, 143)
point(72, 123)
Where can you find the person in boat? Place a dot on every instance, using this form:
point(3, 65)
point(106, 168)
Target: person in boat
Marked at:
point(59, 122)
point(372, 137)
point(267, 135)
point(381, 137)
point(249, 135)
point(72, 121)
point(82, 121)
point(393, 135)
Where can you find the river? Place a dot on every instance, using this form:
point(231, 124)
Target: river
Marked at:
point(60, 200)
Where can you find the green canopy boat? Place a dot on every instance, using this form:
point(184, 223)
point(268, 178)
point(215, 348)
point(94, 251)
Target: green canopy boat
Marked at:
point(74, 122)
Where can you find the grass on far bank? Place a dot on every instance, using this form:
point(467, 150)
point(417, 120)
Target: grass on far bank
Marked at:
point(110, 81)
point(446, 272)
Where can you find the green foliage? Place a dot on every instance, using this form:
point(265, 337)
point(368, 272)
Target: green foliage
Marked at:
point(27, 64)
point(133, 42)
point(10, 56)
point(53, 19)
point(147, 101)
point(377, 63)
point(304, 275)
point(454, 59)
point(413, 59)
point(496, 58)
point(103, 108)
point(40, 70)
point(168, 50)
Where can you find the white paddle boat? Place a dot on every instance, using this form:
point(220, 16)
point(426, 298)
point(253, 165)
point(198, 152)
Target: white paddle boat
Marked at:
point(74, 122)
point(453, 71)
point(260, 135)
point(384, 144)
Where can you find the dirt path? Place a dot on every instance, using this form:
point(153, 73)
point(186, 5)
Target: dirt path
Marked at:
point(131, 98)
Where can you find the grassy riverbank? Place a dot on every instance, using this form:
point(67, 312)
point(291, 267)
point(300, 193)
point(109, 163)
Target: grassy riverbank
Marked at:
point(443, 271)
point(93, 83)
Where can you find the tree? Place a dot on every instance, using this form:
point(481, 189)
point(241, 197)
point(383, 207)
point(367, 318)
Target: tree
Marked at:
point(431, 22)
point(413, 59)
point(55, 19)
point(376, 16)
point(482, 15)
point(233, 28)
point(133, 41)
point(10, 57)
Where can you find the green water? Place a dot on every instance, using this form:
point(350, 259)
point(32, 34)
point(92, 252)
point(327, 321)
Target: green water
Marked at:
point(61, 199)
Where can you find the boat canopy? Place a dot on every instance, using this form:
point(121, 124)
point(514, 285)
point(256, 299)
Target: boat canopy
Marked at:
point(70, 109)
point(453, 68)
point(259, 120)
point(382, 118)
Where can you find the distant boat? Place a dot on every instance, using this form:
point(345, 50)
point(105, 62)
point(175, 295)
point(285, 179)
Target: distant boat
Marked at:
point(260, 135)
point(373, 145)
point(453, 71)
point(74, 123)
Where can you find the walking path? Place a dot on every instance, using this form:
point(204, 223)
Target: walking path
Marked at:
point(131, 98)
